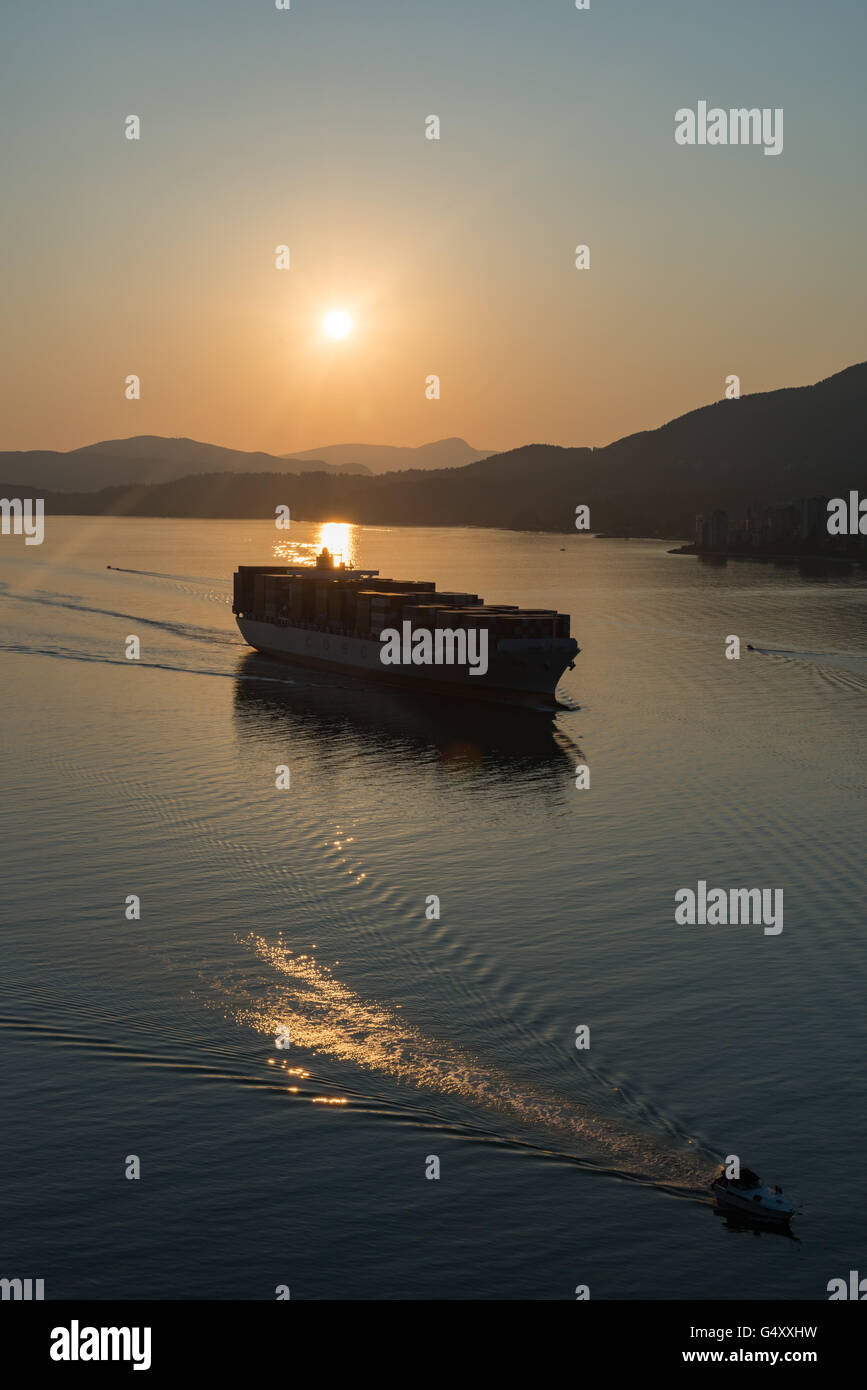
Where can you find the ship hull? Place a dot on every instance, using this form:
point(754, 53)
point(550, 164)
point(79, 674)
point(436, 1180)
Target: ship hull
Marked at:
point(522, 672)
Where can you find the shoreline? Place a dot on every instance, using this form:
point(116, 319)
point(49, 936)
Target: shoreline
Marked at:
point(766, 556)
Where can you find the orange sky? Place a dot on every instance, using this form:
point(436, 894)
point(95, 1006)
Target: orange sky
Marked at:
point(455, 257)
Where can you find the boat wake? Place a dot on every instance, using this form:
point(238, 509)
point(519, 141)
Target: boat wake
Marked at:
point(309, 1009)
point(212, 635)
point(180, 578)
point(846, 668)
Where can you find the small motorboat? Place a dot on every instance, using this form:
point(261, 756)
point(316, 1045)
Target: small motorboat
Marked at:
point(749, 1196)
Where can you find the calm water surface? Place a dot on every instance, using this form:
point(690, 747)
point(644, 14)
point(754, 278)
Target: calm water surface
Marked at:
point(305, 910)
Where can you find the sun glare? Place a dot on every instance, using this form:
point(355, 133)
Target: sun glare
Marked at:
point(337, 537)
point(337, 324)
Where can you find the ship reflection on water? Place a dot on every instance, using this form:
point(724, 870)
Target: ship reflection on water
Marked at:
point(501, 740)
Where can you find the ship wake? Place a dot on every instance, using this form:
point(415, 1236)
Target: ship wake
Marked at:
point(309, 1011)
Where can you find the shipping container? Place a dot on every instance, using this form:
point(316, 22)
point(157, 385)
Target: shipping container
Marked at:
point(421, 614)
point(336, 606)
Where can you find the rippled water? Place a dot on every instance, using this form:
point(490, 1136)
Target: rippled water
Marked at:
point(266, 910)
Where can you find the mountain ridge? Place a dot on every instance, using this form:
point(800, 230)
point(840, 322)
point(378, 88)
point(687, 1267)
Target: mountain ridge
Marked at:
point(768, 447)
point(451, 452)
point(149, 458)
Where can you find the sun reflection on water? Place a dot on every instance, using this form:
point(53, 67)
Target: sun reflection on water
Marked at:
point(323, 1015)
point(337, 537)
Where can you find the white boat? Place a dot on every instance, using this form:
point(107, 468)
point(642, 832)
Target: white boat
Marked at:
point(748, 1195)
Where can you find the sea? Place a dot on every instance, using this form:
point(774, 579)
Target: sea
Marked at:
point(313, 987)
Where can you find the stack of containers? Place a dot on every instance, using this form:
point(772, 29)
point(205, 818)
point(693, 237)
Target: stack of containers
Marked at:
point(362, 612)
point(323, 587)
point(389, 610)
point(433, 610)
point(336, 605)
point(350, 598)
point(499, 625)
point(296, 601)
point(455, 600)
point(310, 586)
point(466, 617)
point(527, 622)
point(421, 614)
point(250, 582)
point(502, 620)
point(540, 620)
point(486, 616)
point(277, 595)
point(270, 601)
point(383, 613)
point(399, 586)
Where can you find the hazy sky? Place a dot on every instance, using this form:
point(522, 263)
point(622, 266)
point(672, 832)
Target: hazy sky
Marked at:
point(454, 257)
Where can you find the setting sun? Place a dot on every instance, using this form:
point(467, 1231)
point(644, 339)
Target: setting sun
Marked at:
point(337, 323)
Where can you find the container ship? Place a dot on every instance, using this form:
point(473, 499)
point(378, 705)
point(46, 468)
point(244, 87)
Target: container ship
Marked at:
point(332, 617)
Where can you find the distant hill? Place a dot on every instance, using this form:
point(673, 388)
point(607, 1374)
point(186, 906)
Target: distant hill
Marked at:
point(147, 458)
point(800, 442)
point(388, 458)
